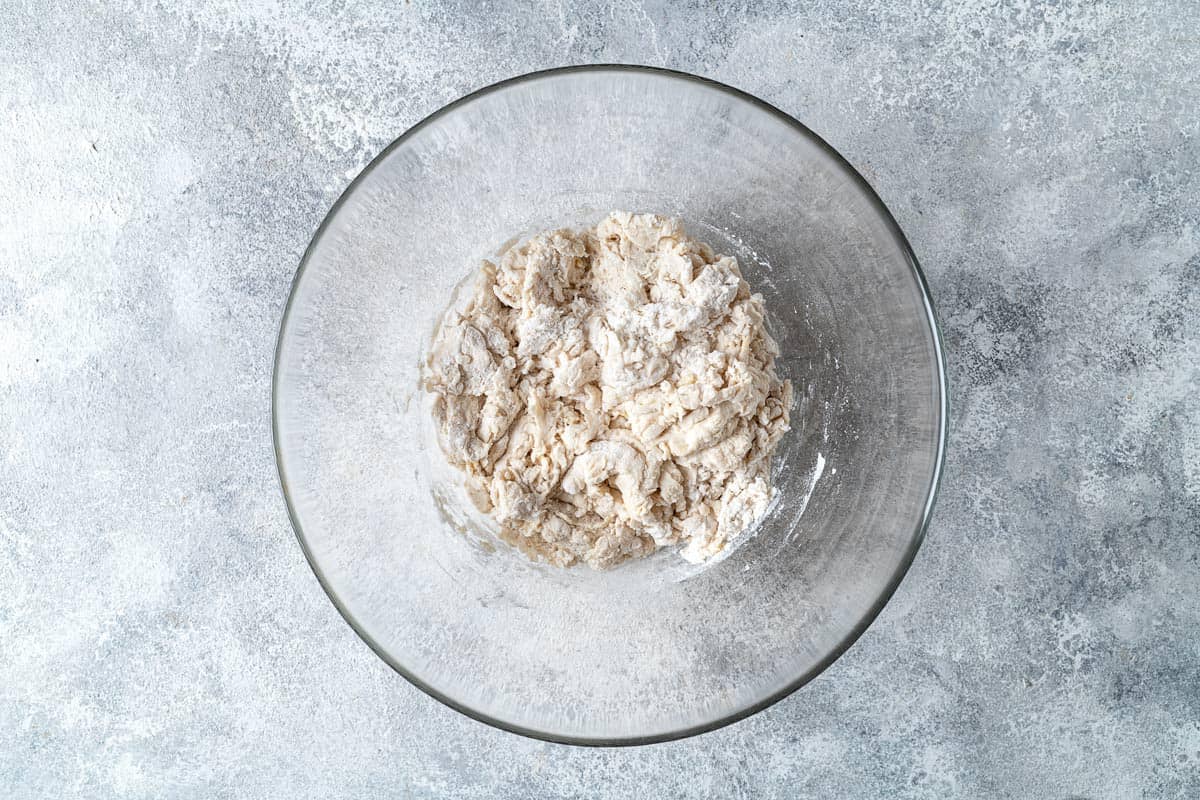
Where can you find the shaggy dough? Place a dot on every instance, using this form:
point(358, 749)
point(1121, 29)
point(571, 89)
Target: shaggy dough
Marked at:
point(611, 391)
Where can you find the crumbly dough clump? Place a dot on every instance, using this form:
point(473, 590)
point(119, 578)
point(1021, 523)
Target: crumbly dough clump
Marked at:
point(611, 391)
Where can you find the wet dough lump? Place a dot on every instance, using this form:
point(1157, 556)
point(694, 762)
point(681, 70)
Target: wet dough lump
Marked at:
point(611, 391)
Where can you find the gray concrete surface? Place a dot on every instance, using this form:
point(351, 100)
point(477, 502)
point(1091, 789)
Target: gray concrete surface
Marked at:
point(162, 167)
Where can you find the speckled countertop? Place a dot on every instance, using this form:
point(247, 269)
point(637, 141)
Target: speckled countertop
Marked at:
point(163, 169)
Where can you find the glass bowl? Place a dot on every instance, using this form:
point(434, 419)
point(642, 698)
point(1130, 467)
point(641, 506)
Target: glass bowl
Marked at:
point(658, 648)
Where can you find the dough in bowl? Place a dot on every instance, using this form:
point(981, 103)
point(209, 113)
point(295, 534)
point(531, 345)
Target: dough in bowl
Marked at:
point(611, 391)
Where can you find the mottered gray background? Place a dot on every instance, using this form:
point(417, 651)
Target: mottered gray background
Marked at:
point(163, 166)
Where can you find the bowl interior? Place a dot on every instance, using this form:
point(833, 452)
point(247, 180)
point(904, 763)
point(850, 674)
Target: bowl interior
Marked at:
point(657, 648)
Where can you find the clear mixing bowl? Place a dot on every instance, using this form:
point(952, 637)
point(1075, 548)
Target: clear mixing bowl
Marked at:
point(658, 648)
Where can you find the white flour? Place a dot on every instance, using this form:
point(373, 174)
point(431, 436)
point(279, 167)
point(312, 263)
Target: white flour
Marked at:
point(611, 391)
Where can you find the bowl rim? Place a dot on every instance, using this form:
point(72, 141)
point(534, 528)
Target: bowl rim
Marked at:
point(903, 564)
